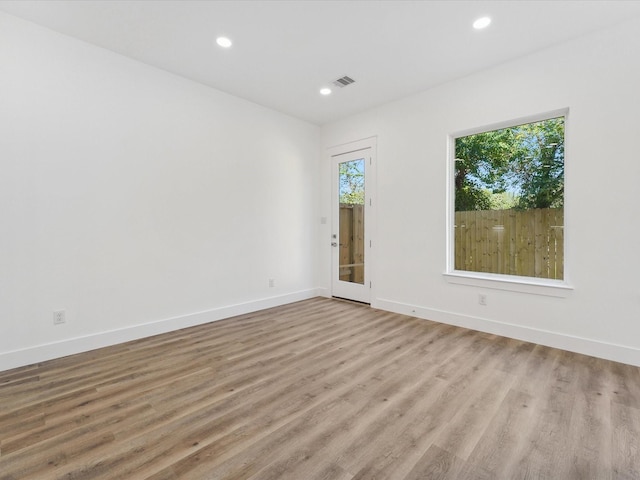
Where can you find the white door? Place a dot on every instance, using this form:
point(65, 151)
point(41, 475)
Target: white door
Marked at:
point(350, 227)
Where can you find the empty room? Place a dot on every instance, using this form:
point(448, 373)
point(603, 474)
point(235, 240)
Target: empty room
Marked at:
point(319, 240)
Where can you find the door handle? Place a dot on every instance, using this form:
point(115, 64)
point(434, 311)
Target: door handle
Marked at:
point(334, 244)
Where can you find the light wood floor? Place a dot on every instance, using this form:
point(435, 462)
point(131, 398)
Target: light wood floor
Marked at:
point(321, 390)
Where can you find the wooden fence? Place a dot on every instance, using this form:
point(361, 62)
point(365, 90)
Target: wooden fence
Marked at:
point(528, 243)
point(351, 243)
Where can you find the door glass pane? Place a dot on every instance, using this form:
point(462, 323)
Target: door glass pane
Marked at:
point(351, 227)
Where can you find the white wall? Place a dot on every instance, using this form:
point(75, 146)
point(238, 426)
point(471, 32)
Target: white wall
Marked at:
point(598, 79)
point(139, 201)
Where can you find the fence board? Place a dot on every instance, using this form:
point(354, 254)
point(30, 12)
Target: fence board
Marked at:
point(358, 244)
point(540, 243)
point(474, 251)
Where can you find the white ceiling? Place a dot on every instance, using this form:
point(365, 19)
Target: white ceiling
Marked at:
point(285, 51)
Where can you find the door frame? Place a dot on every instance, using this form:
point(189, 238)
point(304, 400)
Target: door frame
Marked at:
point(365, 293)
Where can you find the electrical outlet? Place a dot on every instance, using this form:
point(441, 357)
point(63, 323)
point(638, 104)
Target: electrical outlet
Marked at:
point(482, 299)
point(59, 317)
point(272, 282)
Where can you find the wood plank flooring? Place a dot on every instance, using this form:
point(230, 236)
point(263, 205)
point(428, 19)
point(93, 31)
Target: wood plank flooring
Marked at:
point(321, 390)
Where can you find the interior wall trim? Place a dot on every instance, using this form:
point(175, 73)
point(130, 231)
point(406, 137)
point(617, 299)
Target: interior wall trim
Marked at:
point(585, 346)
point(71, 346)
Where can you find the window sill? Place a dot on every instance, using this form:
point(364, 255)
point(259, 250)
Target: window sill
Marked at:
point(535, 286)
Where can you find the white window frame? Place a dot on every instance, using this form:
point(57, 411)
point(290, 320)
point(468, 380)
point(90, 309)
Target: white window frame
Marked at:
point(531, 285)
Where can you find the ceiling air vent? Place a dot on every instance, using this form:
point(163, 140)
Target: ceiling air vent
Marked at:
point(343, 81)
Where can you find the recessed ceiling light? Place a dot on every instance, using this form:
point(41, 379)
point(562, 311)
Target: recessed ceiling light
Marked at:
point(481, 23)
point(224, 42)
point(325, 91)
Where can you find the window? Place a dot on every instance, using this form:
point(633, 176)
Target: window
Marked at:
point(508, 214)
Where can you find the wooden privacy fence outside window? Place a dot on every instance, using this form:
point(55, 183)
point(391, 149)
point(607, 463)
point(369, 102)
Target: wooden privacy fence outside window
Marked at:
point(528, 243)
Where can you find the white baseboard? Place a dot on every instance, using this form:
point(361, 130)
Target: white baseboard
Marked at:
point(586, 346)
point(41, 353)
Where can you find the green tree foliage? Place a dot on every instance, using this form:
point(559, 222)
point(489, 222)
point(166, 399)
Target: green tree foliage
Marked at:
point(352, 182)
point(502, 200)
point(517, 167)
point(540, 165)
